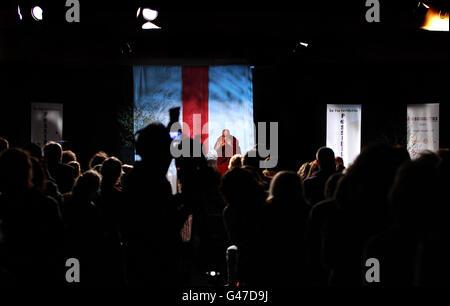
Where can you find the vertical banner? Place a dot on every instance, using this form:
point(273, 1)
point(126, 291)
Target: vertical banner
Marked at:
point(344, 130)
point(422, 129)
point(46, 122)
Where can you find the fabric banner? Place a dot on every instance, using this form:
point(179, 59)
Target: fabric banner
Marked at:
point(221, 96)
point(422, 128)
point(213, 97)
point(344, 130)
point(46, 122)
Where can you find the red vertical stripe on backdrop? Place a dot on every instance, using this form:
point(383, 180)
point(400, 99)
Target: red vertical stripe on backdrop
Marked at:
point(195, 94)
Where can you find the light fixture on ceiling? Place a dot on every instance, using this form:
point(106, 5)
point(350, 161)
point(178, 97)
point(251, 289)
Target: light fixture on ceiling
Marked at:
point(434, 20)
point(37, 13)
point(19, 13)
point(147, 16)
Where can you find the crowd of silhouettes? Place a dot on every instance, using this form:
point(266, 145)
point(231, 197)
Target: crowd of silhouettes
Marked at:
point(315, 227)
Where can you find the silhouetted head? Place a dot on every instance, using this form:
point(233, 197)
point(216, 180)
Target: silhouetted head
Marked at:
point(111, 171)
point(4, 145)
point(235, 161)
point(86, 186)
point(52, 153)
point(34, 149)
point(252, 159)
point(153, 145)
point(304, 170)
point(97, 159)
point(239, 187)
point(325, 158)
point(15, 170)
point(369, 179)
point(76, 168)
point(226, 133)
point(286, 186)
point(68, 156)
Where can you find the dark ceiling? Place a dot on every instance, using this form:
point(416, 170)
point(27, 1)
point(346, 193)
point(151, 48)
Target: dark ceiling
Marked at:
point(222, 31)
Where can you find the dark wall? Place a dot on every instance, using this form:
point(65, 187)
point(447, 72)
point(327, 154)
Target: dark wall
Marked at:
point(93, 98)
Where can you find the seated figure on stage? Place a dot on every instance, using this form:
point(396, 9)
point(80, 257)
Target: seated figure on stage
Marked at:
point(226, 146)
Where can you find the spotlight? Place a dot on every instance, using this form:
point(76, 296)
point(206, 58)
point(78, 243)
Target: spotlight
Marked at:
point(149, 14)
point(19, 13)
point(300, 45)
point(436, 21)
point(37, 13)
point(149, 26)
point(146, 15)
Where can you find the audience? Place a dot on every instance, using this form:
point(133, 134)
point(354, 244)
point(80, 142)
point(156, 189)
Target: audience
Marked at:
point(316, 227)
point(30, 228)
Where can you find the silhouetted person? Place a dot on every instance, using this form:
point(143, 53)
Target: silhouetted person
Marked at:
point(362, 201)
point(414, 251)
point(315, 185)
point(282, 253)
point(318, 218)
point(152, 224)
point(97, 159)
point(31, 244)
point(58, 173)
point(304, 170)
point(235, 162)
point(4, 144)
point(339, 164)
point(110, 205)
point(242, 216)
point(85, 237)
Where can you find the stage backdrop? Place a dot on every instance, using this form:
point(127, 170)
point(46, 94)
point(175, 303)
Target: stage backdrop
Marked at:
point(344, 130)
point(422, 128)
point(221, 95)
point(46, 122)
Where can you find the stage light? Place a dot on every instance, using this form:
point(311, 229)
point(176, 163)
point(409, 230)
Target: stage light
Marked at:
point(37, 13)
point(304, 44)
point(149, 14)
point(436, 21)
point(149, 26)
point(146, 15)
point(19, 13)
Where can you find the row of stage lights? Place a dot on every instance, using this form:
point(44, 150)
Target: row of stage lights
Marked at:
point(36, 12)
point(434, 20)
point(148, 15)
